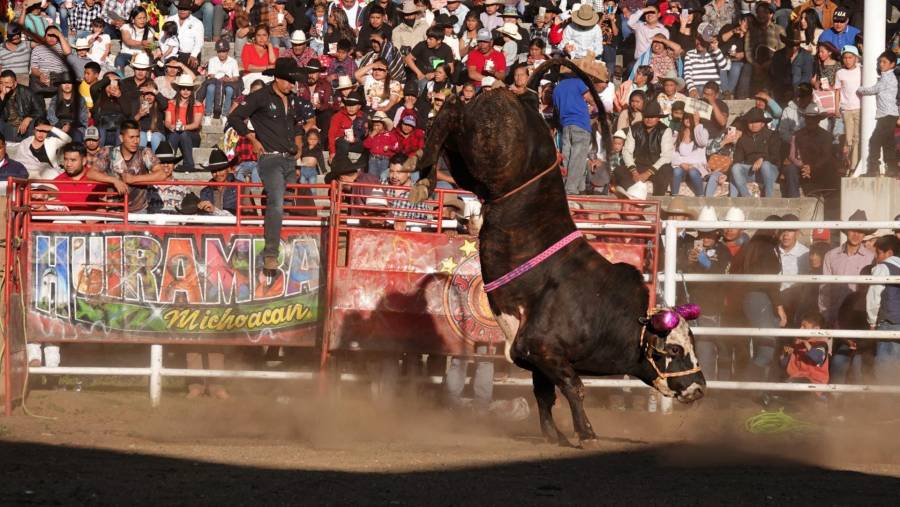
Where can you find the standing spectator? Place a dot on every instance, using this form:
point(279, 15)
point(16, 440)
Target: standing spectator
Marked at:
point(412, 28)
point(704, 64)
point(75, 191)
point(791, 66)
point(648, 152)
point(689, 156)
point(757, 155)
point(882, 139)
point(794, 258)
point(222, 82)
point(126, 165)
point(190, 35)
point(569, 98)
point(812, 164)
point(840, 33)
point(883, 308)
point(645, 23)
point(826, 66)
point(347, 125)
point(583, 34)
point(183, 120)
point(732, 44)
point(847, 81)
point(763, 33)
point(18, 107)
point(485, 61)
point(15, 55)
point(131, 86)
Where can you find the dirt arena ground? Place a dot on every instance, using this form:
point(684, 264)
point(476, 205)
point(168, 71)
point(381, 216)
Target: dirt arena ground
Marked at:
point(109, 447)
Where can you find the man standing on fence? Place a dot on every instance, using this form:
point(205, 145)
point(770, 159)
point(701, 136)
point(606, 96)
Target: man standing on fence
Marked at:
point(277, 141)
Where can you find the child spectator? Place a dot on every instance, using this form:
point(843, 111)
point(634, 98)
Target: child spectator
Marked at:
point(806, 360)
point(278, 22)
point(847, 81)
point(312, 163)
point(885, 91)
point(222, 82)
point(411, 139)
point(382, 144)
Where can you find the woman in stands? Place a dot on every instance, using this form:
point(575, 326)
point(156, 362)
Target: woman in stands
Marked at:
point(183, 118)
point(260, 55)
point(137, 37)
point(382, 93)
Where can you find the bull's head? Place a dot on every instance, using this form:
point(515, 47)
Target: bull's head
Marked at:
point(669, 349)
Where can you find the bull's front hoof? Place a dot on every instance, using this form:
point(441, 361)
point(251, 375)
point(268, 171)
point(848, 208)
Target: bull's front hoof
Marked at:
point(590, 444)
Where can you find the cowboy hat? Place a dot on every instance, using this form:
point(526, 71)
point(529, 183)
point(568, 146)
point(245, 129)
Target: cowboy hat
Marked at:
point(344, 83)
point(218, 160)
point(585, 16)
point(164, 153)
point(672, 76)
point(510, 30)
point(639, 191)
point(190, 205)
point(298, 37)
point(595, 69)
point(707, 214)
point(653, 110)
point(313, 66)
point(812, 111)
point(620, 134)
point(82, 43)
point(355, 98)
point(510, 11)
point(65, 77)
point(860, 216)
point(379, 116)
point(185, 81)
point(409, 7)
point(791, 38)
point(141, 61)
point(185, 5)
point(285, 68)
point(339, 167)
point(735, 214)
point(678, 206)
point(755, 115)
point(493, 2)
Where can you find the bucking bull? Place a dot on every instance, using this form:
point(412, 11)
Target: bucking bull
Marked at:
point(564, 309)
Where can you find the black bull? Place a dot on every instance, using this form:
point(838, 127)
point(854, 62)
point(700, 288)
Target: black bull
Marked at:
point(575, 313)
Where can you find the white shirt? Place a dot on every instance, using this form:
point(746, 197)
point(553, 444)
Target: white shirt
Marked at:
point(873, 296)
point(219, 69)
point(190, 36)
point(790, 261)
point(99, 49)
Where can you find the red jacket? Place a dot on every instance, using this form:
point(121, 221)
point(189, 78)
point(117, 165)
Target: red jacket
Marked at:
point(384, 144)
point(556, 34)
point(412, 143)
point(340, 122)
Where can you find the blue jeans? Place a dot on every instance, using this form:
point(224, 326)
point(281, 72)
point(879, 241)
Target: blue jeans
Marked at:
point(59, 6)
point(154, 139)
point(379, 166)
point(307, 175)
point(276, 171)
point(250, 169)
point(122, 60)
point(731, 77)
point(843, 362)
point(712, 184)
point(186, 142)
point(887, 357)
point(482, 381)
point(694, 180)
point(791, 181)
point(760, 313)
point(740, 176)
point(227, 96)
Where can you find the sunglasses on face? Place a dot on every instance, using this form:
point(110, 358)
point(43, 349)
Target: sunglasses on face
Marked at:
point(379, 70)
point(42, 131)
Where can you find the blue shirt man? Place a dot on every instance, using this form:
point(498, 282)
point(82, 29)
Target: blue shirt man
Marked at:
point(575, 120)
point(841, 33)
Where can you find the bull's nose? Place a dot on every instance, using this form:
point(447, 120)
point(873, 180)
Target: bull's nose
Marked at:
point(693, 393)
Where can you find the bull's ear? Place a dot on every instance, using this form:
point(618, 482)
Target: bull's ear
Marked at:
point(643, 321)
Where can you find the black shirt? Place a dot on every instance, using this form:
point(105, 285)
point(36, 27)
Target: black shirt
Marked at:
point(711, 125)
point(427, 59)
point(365, 33)
point(40, 153)
point(275, 126)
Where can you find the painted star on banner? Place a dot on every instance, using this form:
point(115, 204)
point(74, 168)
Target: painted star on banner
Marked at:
point(448, 265)
point(468, 248)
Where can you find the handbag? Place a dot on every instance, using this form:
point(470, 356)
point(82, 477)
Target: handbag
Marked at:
point(719, 162)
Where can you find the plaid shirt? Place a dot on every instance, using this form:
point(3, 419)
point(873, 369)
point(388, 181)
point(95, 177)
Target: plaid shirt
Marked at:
point(400, 199)
point(243, 151)
point(81, 16)
point(123, 9)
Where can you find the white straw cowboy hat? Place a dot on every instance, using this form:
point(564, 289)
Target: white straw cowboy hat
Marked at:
point(707, 214)
point(409, 7)
point(379, 116)
point(298, 37)
point(510, 30)
point(735, 214)
point(82, 43)
point(344, 83)
point(673, 76)
point(141, 61)
point(585, 16)
point(639, 191)
point(185, 81)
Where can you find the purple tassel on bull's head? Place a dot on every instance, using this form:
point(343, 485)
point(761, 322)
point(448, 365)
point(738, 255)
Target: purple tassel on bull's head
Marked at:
point(689, 311)
point(663, 321)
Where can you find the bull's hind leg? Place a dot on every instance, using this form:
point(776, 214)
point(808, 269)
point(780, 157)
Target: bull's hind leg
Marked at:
point(545, 393)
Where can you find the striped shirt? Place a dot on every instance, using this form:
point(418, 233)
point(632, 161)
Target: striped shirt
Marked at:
point(700, 69)
point(17, 60)
point(48, 60)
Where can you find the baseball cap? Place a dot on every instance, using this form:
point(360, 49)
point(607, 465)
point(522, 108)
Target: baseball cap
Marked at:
point(849, 48)
point(484, 35)
point(222, 45)
point(92, 133)
point(840, 15)
point(409, 120)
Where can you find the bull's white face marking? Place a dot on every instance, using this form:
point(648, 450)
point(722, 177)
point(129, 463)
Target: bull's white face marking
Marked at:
point(509, 324)
point(681, 336)
point(690, 394)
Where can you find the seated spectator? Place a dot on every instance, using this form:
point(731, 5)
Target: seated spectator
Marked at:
point(791, 119)
point(183, 117)
point(509, 38)
point(807, 359)
point(689, 156)
point(127, 165)
point(109, 109)
point(312, 164)
point(398, 200)
point(812, 163)
point(704, 64)
point(191, 31)
point(48, 59)
point(641, 82)
point(382, 144)
point(341, 64)
point(10, 168)
point(410, 138)
point(583, 34)
point(756, 155)
point(40, 153)
point(137, 37)
point(67, 111)
point(648, 152)
point(166, 83)
point(259, 54)
point(99, 41)
point(34, 19)
point(382, 93)
point(222, 83)
point(662, 58)
point(19, 106)
point(427, 55)
point(672, 86)
point(840, 33)
point(168, 41)
point(484, 60)
point(167, 198)
point(76, 191)
point(382, 47)
point(278, 20)
point(632, 113)
point(347, 126)
point(92, 146)
point(151, 116)
point(219, 199)
point(300, 50)
point(15, 53)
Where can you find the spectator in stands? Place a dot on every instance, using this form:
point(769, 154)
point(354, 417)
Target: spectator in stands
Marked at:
point(791, 66)
point(808, 28)
point(381, 47)
point(732, 44)
point(81, 15)
point(459, 10)
point(485, 61)
point(645, 23)
point(825, 10)
point(131, 86)
point(76, 191)
point(15, 55)
point(46, 60)
point(382, 93)
point(648, 152)
point(807, 359)
point(166, 83)
point(260, 55)
point(882, 138)
point(115, 14)
point(632, 113)
point(583, 34)
point(375, 24)
point(222, 83)
point(410, 138)
point(719, 13)
point(126, 165)
point(151, 116)
point(341, 64)
point(191, 32)
point(67, 111)
point(792, 119)
point(689, 156)
point(663, 57)
point(794, 258)
point(812, 163)
point(215, 199)
point(703, 64)
point(278, 20)
point(840, 33)
point(490, 16)
point(382, 144)
point(427, 55)
point(411, 30)
point(92, 146)
point(137, 37)
point(312, 164)
point(40, 153)
point(734, 237)
point(569, 99)
point(398, 177)
point(847, 81)
point(18, 107)
point(183, 120)
point(763, 33)
point(109, 109)
point(641, 83)
point(317, 90)
point(883, 308)
point(167, 198)
point(33, 17)
point(100, 42)
point(672, 86)
point(757, 155)
point(10, 168)
point(347, 125)
point(300, 50)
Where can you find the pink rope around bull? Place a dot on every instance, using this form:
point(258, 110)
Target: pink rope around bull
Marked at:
point(531, 263)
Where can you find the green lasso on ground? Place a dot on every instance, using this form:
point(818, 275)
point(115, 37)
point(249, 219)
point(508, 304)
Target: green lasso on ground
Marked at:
point(775, 422)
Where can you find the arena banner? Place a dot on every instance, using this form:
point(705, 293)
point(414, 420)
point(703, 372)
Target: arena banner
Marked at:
point(172, 284)
point(421, 293)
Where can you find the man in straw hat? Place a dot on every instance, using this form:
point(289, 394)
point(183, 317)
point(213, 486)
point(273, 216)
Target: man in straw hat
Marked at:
point(648, 151)
point(412, 28)
point(277, 141)
point(131, 86)
point(583, 34)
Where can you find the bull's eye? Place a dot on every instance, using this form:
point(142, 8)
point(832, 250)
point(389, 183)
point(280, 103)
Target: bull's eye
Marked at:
point(674, 350)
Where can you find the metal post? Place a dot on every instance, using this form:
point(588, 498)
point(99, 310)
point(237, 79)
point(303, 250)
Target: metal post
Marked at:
point(669, 286)
point(874, 26)
point(156, 360)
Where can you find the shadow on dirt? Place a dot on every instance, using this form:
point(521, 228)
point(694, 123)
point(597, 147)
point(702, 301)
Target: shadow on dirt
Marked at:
point(678, 473)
